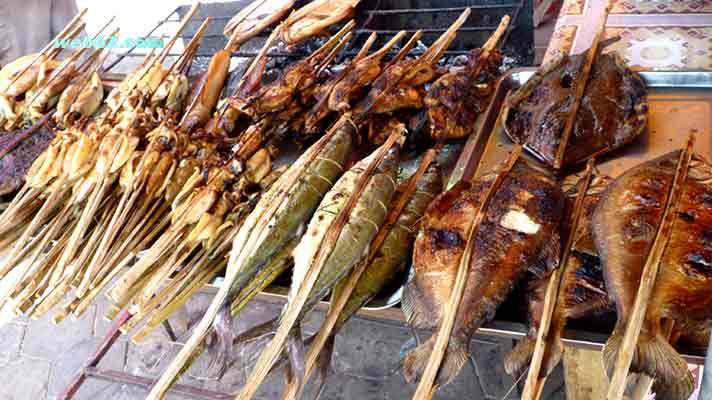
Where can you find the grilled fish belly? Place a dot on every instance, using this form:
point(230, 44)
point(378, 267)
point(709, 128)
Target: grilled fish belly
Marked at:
point(582, 290)
point(519, 232)
point(612, 113)
point(624, 226)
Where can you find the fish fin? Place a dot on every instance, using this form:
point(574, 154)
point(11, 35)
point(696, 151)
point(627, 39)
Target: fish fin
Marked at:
point(520, 356)
point(322, 367)
point(517, 360)
point(219, 349)
point(295, 353)
point(548, 257)
point(654, 356)
point(416, 360)
point(417, 312)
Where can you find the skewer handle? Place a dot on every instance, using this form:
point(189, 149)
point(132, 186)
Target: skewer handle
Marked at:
point(647, 279)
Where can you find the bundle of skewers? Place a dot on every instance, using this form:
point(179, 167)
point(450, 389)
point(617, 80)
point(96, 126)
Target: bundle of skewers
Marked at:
point(152, 191)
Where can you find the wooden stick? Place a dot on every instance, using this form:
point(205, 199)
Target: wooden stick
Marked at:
point(426, 387)
point(186, 18)
point(294, 307)
point(534, 381)
point(580, 89)
point(339, 303)
point(67, 28)
point(203, 328)
point(405, 49)
point(647, 279)
point(435, 51)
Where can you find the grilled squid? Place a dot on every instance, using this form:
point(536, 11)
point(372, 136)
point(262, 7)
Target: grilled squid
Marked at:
point(210, 92)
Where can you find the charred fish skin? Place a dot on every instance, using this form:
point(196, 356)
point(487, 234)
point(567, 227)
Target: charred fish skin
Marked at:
point(613, 110)
point(624, 226)
point(582, 290)
point(363, 224)
point(393, 254)
point(519, 233)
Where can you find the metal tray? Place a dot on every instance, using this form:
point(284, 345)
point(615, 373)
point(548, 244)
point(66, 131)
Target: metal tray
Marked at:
point(679, 103)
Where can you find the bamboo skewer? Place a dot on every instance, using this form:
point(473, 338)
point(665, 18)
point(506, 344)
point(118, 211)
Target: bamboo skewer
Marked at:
point(67, 29)
point(426, 387)
point(535, 382)
point(289, 318)
point(293, 391)
point(202, 329)
point(650, 270)
point(580, 88)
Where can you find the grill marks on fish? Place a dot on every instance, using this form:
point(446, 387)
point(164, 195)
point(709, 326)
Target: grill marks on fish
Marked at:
point(613, 110)
point(682, 287)
point(501, 257)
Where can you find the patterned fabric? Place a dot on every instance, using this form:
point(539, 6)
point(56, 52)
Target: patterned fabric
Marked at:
point(654, 34)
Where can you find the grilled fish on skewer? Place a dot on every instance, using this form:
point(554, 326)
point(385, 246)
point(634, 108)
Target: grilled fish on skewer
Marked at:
point(624, 226)
point(365, 220)
point(314, 18)
point(613, 110)
point(401, 84)
point(255, 18)
point(582, 290)
point(456, 99)
point(389, 260)
point(278, 217)
point(519, 232)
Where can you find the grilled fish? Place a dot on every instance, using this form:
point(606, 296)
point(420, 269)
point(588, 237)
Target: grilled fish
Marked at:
point(456, 99)
point(582, 291)
point(612, 113)
point(519, 232)
point(624, 227)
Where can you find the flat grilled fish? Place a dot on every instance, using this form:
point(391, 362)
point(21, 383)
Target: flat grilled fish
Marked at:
point(582, 291)
point(624, 227)
point(519, 232)
point(612, 113)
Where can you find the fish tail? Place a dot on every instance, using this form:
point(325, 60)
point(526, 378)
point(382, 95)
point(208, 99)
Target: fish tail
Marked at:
point(219, 349)
point(654, 356)
point(416, 360)
point(521, 355)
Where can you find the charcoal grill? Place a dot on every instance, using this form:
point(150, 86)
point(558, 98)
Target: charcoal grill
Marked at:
point(384, 17)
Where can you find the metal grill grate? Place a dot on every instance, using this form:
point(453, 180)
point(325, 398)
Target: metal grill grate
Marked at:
point(384, 17)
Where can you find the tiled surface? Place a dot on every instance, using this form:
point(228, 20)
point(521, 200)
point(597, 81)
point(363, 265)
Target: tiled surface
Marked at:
point(655, 35)
point(38, 359)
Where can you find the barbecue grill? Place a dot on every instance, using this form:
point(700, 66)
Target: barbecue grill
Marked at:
point(384, 17)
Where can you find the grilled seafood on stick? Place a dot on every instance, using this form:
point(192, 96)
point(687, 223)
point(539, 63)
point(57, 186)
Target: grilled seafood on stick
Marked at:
point(255, 18)
point(624, 227)
point(519, 232)
point(582, 292)
point(613, 109)
point(389, 253)
point(277, 219)
point(314, 18)
point(456, 99)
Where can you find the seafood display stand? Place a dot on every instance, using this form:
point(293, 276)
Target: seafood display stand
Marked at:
point(382, 308)
point(670, 94)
